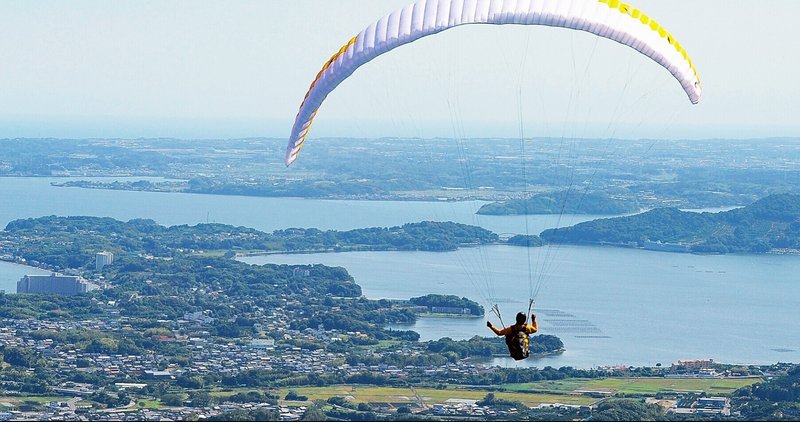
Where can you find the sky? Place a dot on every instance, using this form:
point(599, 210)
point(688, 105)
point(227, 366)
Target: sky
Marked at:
point(234, 68)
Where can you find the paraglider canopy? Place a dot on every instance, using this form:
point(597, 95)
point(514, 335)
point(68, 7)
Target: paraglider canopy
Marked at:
point(610, 19)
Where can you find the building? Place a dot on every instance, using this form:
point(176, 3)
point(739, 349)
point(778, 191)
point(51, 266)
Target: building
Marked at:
point(199, 317)
point(101, 259)
point(262, 344)
point(666, 246)
point(158, 374)
point(449, 310)
point(693, 365)
point(54, 284)
point(718, 403)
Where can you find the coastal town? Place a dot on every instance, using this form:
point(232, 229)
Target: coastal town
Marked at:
point(132, 374)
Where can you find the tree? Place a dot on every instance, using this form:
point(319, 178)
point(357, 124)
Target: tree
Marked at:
point(200, 398)
point(626, 410)
point(293, 396)
point(338, 401)
point(248, 415)
point(172, 399)
point(26, 358)
point(488, 400)
point(190, 382)
point(313, 413)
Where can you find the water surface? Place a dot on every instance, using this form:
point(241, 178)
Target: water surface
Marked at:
point(608, 305)
point(11, 273)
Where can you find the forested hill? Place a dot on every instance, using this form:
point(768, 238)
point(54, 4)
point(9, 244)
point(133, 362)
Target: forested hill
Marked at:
point(564, 202)
point(768, 224)
point(43, 239)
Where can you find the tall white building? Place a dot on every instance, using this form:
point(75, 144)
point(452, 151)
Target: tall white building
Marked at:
point(102, 259)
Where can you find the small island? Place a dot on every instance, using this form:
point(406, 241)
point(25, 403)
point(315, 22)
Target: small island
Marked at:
point(529, 241)
point(445, 306)
point(563, 202)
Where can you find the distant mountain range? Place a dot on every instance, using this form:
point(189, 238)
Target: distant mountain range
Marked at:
point(770, 224)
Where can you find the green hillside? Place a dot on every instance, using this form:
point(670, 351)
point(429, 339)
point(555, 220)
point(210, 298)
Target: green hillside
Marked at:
point(768, 224)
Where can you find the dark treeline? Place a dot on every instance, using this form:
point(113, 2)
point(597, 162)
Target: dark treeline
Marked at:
point(774, 399)
point(47, 306)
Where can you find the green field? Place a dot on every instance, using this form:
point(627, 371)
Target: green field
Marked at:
point(151, 404)
point(370, 394)
point(647, 386)
point(38, 399)
point(565, 386)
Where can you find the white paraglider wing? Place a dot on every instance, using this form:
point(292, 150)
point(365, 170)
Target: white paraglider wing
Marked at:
point(606, 18)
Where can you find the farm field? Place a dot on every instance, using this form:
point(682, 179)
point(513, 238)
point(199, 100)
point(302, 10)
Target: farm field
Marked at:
point(370, 394)
point(646, 386)
point(16, 400)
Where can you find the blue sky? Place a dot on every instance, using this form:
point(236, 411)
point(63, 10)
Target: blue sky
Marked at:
point(240, 68)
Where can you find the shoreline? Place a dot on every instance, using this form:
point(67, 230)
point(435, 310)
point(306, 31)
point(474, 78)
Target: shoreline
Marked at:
point(447, 316)
point(502, 196)
point(354, 197)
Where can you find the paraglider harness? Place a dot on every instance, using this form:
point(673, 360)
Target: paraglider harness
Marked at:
point(518, 344)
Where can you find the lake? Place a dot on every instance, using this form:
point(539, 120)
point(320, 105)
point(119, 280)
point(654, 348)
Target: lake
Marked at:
point(609, 305)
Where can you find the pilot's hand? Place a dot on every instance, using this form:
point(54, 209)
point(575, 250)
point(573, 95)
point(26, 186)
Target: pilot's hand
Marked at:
point(488, 324)
point(533, 317)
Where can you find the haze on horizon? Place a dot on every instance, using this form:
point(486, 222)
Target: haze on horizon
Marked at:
point(240, 68)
